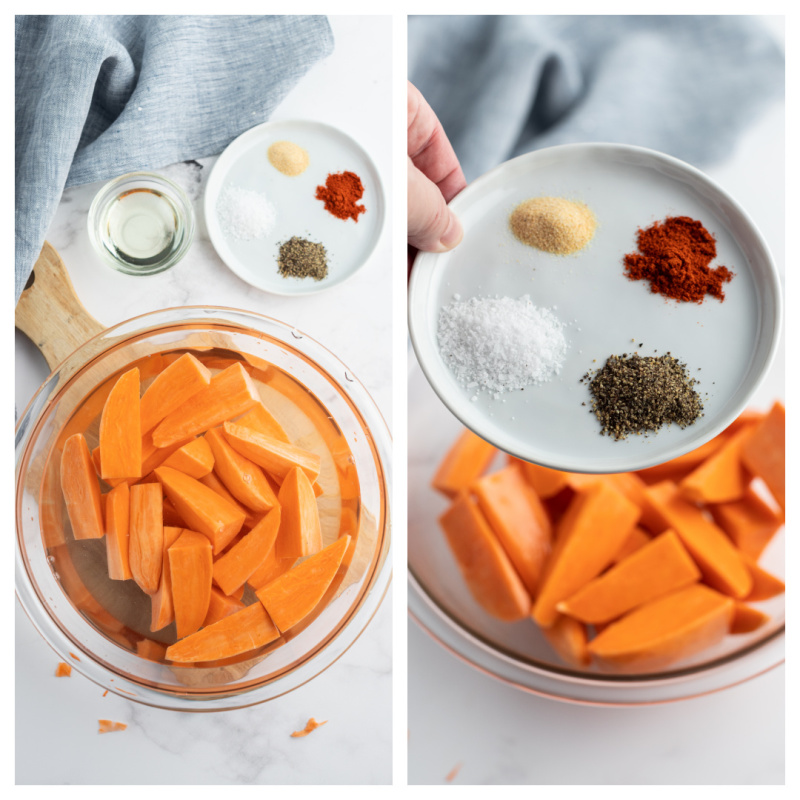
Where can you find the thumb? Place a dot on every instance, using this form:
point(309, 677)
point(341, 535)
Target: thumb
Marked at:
point(432, 226)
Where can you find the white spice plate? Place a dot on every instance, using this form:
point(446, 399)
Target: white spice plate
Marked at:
point(727, 346)
point(348, 244)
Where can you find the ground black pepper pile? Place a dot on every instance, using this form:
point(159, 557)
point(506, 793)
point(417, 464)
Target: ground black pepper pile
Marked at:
point(300, 258)
point(638, 394)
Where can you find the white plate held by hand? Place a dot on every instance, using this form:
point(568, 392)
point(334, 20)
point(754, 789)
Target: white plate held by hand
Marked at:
point(348, 244)
point(728, 346)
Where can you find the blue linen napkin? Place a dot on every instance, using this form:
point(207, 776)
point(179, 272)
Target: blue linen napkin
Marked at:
point(502, 86)
point(98, 96)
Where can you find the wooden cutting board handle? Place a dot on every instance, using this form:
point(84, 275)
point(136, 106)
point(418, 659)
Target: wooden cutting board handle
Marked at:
point(49, 312)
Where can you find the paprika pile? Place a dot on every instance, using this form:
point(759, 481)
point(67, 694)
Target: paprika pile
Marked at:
point(341, 193)
point(674, 256)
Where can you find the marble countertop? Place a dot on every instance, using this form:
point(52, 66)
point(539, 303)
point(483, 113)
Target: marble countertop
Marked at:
point(251, 746)
point(472, 729)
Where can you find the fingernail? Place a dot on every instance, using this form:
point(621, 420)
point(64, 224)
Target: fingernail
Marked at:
point(452, 236)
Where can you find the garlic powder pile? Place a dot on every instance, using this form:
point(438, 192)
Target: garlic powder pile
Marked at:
point(501, 344)
point(244, 213)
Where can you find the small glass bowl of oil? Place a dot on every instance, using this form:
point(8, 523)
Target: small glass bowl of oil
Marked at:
point(141, 223)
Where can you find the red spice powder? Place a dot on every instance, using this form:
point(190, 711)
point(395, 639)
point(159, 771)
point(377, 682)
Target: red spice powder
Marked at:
point(341, 193)
point(674, 256)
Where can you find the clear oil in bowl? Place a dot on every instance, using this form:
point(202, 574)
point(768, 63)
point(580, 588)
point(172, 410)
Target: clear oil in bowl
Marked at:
point(143, 227)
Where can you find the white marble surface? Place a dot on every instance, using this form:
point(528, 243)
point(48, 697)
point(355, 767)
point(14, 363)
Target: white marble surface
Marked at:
point(350, 90)
point(498, 735)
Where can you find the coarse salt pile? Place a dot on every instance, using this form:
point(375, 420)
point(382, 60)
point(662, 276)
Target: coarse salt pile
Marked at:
point(501, 344)
point(244, 213)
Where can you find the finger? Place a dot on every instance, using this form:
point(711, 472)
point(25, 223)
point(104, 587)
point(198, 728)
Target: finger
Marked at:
point(430, 149)
point(432, 226)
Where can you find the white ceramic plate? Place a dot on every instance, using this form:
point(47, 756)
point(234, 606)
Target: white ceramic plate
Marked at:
point(727, 346)
point(348, 244)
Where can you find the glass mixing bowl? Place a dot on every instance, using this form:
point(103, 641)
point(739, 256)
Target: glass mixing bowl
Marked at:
point(94, 623)
point(517, 653)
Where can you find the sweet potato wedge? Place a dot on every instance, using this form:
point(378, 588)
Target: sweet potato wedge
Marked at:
point(271, 567)
point(487, 569)
point(171, 388)
point(764, 452)
point(747, 619)
point(120, 430)
point(231, 636)
point(242, 478)
point(117, 516)
point(81, 489)
point(259, 419)
point(721, 477)
point(637, 539)
point(765, 584)
point(749, 522)
point(162, 610)
point(295, 594)
point(666, 630)
point(300, 533)
point(190, 570)
point(220, 606)
point(194, 459)
point(213, 482)
point(465, 462)
point(569, 639)
point(272, 455)
point(146, 540)
point(519, 520)
point(597, 522)
point(235, 566)
point(229, 394)
point(711, 549)
point(660, 567)
point(201, 507)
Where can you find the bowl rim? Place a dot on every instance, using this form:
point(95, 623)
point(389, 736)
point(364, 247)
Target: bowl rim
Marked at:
point(334, 645)
point(594, 689)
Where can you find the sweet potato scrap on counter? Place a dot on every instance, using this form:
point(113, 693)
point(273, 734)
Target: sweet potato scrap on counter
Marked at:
point(645, 568)
point(311, 725)
point(63, 670)
point(105, 693)
point(107, 726)
point(451, 776)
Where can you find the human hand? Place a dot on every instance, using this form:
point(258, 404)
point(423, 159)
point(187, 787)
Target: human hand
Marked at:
point(434, 178)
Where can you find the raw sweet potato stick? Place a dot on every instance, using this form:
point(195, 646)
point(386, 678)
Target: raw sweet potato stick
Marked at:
point(201, 507)
point(162, 609)
point(81, 489)
point(300, 532)
point(242, 478)
point(171, 388)
point(230, 393)
point(194, 459)
point(146, 540)
point(120, 430)
point(190, 570)
point(598, 521)
point(764, 452)
point(466, 461)
point(117, 515)
point(295, 594)
point(272, 455)
point(487, 569)
point(236, 565)
point(231, 636)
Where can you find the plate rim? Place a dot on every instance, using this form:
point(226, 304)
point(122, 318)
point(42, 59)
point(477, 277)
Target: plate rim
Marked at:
point(253, 133)
point(417, 299)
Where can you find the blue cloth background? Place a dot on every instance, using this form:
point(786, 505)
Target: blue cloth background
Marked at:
point(502, 86)
point(98, 96)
